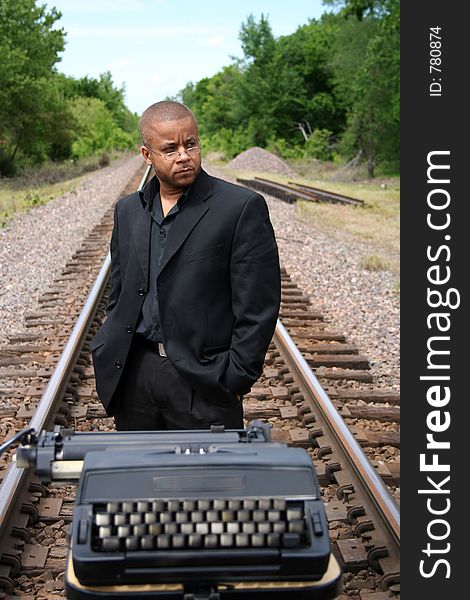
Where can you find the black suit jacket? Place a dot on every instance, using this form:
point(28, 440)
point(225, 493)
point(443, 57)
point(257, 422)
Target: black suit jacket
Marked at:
point(218, 288)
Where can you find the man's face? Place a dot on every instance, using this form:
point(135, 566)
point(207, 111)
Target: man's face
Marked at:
point(173, 136)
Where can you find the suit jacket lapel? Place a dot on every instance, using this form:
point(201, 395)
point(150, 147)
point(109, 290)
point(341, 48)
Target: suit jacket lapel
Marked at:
point(191, 211)
point(142, 227)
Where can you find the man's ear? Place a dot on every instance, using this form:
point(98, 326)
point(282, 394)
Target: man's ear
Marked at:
point(146, 154)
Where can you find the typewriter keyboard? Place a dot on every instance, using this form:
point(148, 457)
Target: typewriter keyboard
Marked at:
point(190, 524)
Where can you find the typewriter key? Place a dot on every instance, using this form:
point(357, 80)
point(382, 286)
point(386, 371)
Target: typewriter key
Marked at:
point(177, 541)
point(103, 519)
point(128, 507)
point(111, 544)
point(187, 528)
point(242, 540)
point(150, 517)
point(163, 541)
point(155, 528)
point(202, 528)
point(211, 541)
point(264, 527)
point(170, 528)
point(279, 527)
point(135, 518)
point(290, 540)
point(124, 531)
point(296, 526)
point(105, 532)
point(120, 518)
point(226, 540)
point(233, 527)
point(273, 540)
point(139, 530)
point(295, 512)
point(249, 527)
point(217, 527)
point(132, 543)
point(147, 542)
point(195, 540)
point(197, 516)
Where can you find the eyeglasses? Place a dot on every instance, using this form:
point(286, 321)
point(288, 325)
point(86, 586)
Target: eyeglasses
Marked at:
point(192, 149)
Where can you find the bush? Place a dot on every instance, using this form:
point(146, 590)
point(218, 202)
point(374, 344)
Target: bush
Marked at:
point(95, 129)
point(318, 145)
point(280, 147)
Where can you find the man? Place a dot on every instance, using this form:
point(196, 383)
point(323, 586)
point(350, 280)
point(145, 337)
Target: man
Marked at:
point(195, 289)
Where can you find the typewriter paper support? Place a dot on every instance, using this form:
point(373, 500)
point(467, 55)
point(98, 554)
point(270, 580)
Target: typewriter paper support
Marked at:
point(189, 515)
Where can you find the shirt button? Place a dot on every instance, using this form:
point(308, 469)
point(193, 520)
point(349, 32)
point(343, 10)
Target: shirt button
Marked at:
point(118, 364)
point(141, 292)
point(162, 233)
point(129, 329)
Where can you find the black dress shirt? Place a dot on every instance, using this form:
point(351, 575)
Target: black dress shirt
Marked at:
point(149, 324)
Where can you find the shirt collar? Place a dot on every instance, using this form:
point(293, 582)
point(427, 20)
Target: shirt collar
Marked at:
point(150, 191)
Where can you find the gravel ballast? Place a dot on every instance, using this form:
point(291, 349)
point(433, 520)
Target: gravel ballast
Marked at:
point(36, 245)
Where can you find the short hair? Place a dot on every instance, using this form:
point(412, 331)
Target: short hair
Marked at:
point(166, 110)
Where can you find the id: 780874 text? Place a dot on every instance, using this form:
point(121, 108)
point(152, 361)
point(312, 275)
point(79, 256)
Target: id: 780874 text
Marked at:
point(435, 61)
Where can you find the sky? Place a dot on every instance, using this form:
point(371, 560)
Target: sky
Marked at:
point(155, 47)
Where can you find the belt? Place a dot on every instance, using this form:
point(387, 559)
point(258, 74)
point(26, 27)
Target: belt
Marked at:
point(157, 347)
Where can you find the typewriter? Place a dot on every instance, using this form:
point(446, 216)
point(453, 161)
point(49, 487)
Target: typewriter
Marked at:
point(190, 515)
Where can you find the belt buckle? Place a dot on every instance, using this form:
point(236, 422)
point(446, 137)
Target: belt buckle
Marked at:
point(161, 350)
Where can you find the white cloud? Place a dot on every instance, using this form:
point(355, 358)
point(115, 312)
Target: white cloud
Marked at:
point(216, 40)
point(121, 64)
point(153, 79)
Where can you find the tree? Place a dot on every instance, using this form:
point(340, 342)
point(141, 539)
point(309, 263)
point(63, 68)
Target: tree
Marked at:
point(336, 79)
point(365, 62)
point(29, 47)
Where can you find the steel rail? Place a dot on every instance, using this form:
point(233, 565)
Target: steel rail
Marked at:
point(375, 487)
point(325, 193)
point(15, 479)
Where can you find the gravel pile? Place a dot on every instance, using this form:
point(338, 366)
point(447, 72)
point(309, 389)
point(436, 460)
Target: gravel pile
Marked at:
point(260, 161)
point(36, 245)
point(361, 304)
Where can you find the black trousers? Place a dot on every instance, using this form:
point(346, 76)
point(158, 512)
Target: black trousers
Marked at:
point(154, 396)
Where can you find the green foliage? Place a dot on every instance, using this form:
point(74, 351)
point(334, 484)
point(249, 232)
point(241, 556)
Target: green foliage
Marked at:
point(103, 89)
point(94, 128)
point(38, 117)
point(29, 49)
point(318, 145)
point(365, 63)
point(329, 89)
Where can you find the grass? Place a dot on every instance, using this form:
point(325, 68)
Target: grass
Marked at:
point(14, 201)
point(373, 262)
point(376, 223)
point(38, 185)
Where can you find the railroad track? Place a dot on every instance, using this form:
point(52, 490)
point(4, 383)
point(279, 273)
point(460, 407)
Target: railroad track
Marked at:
point(48, 379)
point(291, 192)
